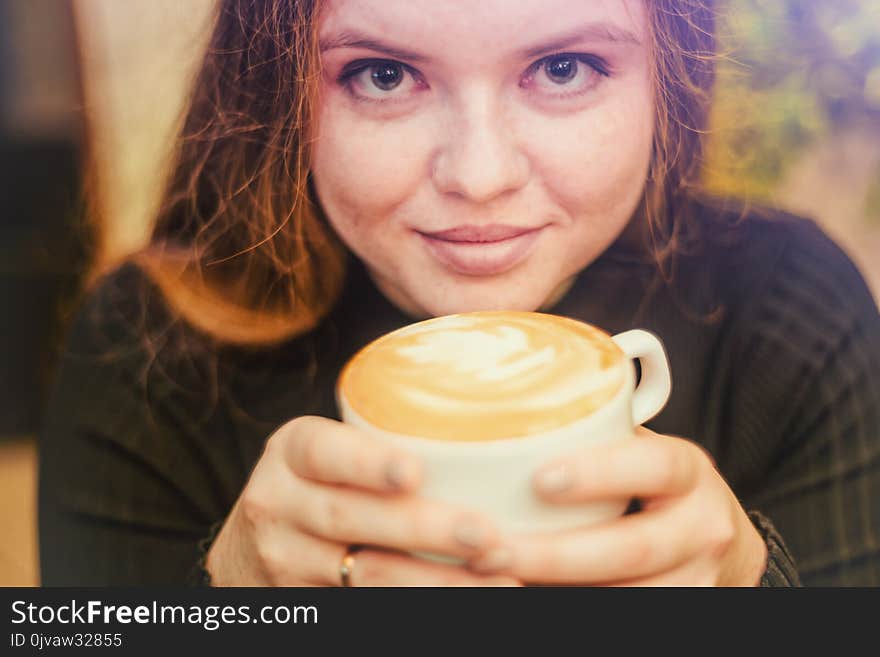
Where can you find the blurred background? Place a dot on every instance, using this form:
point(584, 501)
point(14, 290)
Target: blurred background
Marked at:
point(91, 93)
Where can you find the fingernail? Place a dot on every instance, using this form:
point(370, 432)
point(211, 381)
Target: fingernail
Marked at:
point(471, 534)
point(399, 475)
point(493, 561)
point(554, 480)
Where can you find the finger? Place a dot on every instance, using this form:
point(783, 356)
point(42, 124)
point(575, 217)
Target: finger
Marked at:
point(638, 545)
point(638, 467)
point(406, 523)
point(381, 568)
point(691, 574)
point(332, 452)
point(291, 558)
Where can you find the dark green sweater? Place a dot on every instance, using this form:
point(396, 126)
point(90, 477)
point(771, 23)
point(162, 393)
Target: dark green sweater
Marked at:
point(772, 335)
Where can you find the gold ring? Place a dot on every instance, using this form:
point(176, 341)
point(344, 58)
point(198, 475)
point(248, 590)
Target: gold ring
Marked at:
point(346, 566)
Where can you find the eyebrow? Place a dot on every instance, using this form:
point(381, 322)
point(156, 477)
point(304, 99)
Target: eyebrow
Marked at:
point(594, 32)
point(354, 39)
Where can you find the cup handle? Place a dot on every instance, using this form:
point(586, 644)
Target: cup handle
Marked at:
point(654, 388)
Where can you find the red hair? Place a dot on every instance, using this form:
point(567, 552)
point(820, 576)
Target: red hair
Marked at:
point(241, 250)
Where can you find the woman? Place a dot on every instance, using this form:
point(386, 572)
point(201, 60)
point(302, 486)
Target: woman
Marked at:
point(350, 167)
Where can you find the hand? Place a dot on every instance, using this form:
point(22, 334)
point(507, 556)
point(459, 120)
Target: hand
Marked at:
point(691, 531)
point(321, 486)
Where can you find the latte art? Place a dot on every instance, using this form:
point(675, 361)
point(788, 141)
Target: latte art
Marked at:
point(483, 376)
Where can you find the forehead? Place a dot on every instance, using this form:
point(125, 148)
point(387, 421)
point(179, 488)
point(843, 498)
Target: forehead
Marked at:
point(446, 27)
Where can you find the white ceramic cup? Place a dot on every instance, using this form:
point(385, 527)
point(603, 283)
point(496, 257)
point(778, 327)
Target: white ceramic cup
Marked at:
point(495, 476)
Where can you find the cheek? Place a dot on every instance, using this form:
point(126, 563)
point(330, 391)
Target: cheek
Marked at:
point(364, 169)
point(596, 161)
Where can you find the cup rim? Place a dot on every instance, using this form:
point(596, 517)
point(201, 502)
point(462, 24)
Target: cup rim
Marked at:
point(390, 334)
point(623, 394)
point(629, 374)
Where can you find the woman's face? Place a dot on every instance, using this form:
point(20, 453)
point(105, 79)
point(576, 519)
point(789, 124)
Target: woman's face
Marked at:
point(477, 155)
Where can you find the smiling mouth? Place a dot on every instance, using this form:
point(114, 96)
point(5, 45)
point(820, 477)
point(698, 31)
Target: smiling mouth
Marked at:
point(482, 251)
point(472, 233)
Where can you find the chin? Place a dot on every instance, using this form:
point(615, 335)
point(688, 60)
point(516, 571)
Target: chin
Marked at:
point(485, 300)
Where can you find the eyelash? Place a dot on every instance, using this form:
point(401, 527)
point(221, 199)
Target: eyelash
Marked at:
point(357, 67)
point(596, 63)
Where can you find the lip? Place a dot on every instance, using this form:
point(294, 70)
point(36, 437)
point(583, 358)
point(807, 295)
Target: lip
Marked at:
point(482, 250)
point(472, 233)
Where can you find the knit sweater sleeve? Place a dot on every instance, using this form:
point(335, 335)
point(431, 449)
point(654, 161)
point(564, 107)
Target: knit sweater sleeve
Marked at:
point(128, 475)
point(805, 416)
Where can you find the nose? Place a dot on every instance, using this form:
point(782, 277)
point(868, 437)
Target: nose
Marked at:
point(479, 159)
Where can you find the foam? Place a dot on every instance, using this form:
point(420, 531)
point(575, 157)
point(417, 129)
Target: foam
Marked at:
point(485, 375)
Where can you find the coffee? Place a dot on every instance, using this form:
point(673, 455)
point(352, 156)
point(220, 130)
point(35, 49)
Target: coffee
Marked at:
point(484, 376)
point(484, 398)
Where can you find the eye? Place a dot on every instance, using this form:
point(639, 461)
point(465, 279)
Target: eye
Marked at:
point(380, 80)
point(386, 76)
point(561, 70)
point(565, 74)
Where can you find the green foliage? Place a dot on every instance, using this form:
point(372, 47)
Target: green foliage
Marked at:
point(791, 72)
